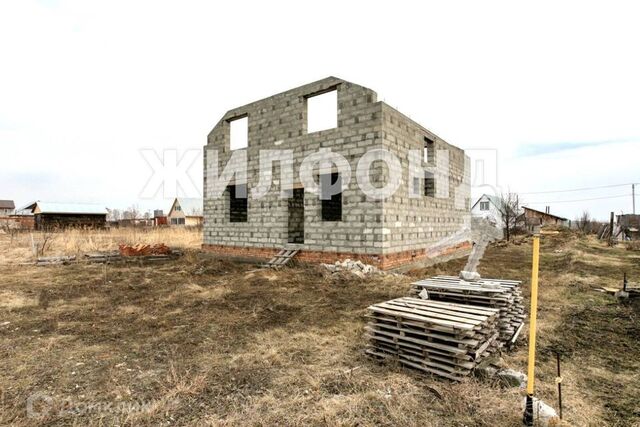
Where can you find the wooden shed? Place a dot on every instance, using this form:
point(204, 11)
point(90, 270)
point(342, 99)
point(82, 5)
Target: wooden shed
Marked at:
point(535, 217)
point(51, 215)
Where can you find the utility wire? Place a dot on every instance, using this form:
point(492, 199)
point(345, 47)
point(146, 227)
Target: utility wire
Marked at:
point(577, 200)
point(577, 189)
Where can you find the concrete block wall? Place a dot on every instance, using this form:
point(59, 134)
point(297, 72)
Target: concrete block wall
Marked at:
point(391, 232)
point(280, 122)
point(413, 224)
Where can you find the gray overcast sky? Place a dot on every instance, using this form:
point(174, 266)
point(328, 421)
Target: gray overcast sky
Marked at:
point(553, 87)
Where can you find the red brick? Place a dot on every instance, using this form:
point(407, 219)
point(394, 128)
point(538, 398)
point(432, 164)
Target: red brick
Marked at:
point(383, 261)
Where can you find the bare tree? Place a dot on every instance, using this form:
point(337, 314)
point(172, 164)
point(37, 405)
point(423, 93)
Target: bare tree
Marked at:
point(509, 209)
point(131, 212)
point(114, 214)
point(584, 222)
point(43, 247)
point(9, 228)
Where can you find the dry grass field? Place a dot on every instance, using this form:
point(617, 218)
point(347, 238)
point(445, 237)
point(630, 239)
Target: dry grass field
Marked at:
point(198, 341)
point(22, 247)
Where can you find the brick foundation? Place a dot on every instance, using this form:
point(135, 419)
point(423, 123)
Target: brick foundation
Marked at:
point(383, 262)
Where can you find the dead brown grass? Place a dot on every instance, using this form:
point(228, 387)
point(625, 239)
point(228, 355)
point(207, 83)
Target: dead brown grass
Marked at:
point(633, 245)
point(200, 341)
point(19, 247)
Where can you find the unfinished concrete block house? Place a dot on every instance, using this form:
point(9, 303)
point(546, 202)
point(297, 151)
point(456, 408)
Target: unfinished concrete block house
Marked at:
point(388, 233)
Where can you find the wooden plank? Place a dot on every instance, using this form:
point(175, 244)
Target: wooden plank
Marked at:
point(440, 337)
point(442, 362)
point(484, 346)
point(417, 366)
point(448, 348)
point(481, 285)
point(479, 297)
point(416, 315)
point(479, 312)
point(503, 296)
point(441, 312)
point(469, 342)
point(482, 279)
point(378, 341)
point(487, 311)
point(458, 333)
point(509, 303)
point(421, 363)
point(452, 326)
point(282, 257)
point(462, 288)
point(517, 332)
point(452, 370)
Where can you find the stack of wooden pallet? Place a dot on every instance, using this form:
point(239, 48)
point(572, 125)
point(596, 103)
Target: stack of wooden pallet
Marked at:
point(442, 338)
point(504, 295)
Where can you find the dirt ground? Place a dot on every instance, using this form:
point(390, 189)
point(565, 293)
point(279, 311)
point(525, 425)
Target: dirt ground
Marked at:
point(200, 341)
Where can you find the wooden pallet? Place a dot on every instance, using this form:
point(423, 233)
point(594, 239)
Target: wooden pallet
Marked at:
point(437, 337)
point(504, 295)
point(282, 258)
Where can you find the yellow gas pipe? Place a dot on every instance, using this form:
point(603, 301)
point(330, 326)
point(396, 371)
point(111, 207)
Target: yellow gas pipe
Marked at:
point(528, 412)
point(534, 311)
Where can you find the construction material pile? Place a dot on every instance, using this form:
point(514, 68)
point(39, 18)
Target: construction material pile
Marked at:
point(356, 267)
point(441, 338)
point(504, 295)
point(144, 250)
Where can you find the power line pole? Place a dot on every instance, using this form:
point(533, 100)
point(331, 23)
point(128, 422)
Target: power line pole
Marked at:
point(633, 197)
point(611, 230)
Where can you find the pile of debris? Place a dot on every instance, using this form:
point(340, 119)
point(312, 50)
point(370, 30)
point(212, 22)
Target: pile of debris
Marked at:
point(356, 267)
point(126, 253)
point(441, 338)
point(55, 260)
point(102, 257)
point(500, 294)
point(144, 250)
point(621, 294)
point(495, 368)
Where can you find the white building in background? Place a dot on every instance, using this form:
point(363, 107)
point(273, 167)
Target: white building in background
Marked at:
point(185, 211)
point(487, 206)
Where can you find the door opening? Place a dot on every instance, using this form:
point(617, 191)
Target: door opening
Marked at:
point(296, 216)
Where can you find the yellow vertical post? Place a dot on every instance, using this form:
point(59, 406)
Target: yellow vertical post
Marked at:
point(528, 414)
point(534, 311)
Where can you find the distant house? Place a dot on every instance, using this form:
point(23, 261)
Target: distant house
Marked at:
point(628, 227)
point(51, 215)
point(536, 217)
point(185, 211)
point(488, 206)
point(7, 207)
